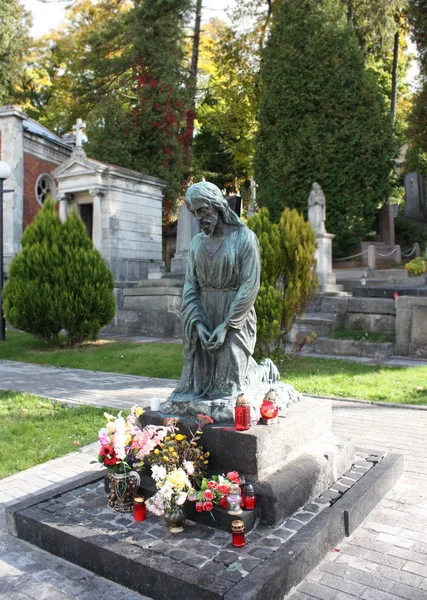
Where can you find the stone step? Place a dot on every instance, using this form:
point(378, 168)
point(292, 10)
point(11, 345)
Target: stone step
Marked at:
point(354, 348)
point(152, 290)
point(319, 323)
point(163, 282)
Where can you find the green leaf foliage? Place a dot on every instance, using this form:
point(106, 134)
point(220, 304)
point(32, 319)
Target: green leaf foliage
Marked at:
point(14, 39)
point(58, 281)
point(322, 118)
point(288, 275)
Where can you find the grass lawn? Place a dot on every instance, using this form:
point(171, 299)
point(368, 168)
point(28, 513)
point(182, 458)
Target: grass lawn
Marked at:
point(34, 430)
point(325, 377)
point(361, 336)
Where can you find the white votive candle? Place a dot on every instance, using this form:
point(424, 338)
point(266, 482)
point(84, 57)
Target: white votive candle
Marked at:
point(155, 404)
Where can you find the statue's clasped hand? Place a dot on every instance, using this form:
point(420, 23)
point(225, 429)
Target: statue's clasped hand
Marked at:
point(217, 338)
point(204, 334)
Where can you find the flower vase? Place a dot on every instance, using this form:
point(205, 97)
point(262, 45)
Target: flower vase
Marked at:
point(123, 487)
point(175, 519)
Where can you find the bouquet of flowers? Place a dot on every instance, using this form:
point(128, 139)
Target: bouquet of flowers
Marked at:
point(172, 489)
point(124, 445)
point(213, 491)
point(179, 451)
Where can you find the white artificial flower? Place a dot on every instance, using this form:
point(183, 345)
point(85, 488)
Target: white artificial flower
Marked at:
point(189, 467)
point(158, 472)
point(119, 438)
point(181, 498)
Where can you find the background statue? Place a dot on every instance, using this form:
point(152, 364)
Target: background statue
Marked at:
point(217, 313)
point(317, 209)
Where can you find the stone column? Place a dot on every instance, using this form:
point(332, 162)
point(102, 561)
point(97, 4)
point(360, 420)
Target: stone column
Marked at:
point(187, 229)
point(64, 199)
point(97, 193)
point(371, 257)
point(324, 261)
point(12, 152)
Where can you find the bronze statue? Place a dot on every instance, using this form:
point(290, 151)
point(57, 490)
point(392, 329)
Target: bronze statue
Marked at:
point(217, 313)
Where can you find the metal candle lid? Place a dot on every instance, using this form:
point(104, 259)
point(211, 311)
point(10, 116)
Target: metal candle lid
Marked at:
point(237, 526)
point(271, 395)
point(241, 400)
point(139, 500)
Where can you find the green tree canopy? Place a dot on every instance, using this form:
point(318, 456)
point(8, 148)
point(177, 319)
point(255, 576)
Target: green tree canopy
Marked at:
point(14, 40)
point(322, 118)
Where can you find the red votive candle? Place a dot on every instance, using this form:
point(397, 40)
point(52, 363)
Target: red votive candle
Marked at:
point(242, 414)
point(249, 497)
point(139, 510)
point(238, 533)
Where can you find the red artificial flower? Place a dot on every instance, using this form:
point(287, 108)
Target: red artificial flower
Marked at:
point(207, 495)
point(109, 456)
point(234, 476)
point(212, 485)
point(207, 506)
point(199, 506)
point(224, 489)
point(223, 502)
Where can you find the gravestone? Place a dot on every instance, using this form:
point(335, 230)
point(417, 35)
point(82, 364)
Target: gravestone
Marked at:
point(415, 196)
point(187, 229)
point(317, 217)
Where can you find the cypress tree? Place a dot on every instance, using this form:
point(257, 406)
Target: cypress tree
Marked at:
point(322, 118)
point(58, 281)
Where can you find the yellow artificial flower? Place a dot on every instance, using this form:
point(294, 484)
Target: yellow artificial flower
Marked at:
point(111, 428)
point(156, 451)
point(178, 478)
point(139, 411)
point(171, 449)
point(205, 462)
point(174, 454)
point(180, 437)
point(166, 458)
point(207, 454)
point(167, 438)
point(108, 416)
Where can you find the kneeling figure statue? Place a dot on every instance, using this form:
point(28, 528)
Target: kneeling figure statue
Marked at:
point(217, 314)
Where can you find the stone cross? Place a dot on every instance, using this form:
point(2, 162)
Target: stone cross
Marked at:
point(78, 127)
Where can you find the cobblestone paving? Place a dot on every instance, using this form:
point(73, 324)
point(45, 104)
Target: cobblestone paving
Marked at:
point(83, 387)
point(385, 559)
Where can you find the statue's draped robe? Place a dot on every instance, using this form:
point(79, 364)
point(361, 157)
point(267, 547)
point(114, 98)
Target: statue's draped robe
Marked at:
point(221, 286)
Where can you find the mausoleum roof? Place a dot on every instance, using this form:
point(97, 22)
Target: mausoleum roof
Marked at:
point(36, 129)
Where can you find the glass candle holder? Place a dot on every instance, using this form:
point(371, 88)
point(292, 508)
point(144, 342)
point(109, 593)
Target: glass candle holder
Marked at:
point(238, 533)
point(269, 408)
point(139, 509)
point(249, 497)
point(242, 413)
point(234, 499)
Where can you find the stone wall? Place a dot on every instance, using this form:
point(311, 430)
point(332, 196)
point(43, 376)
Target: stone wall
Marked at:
point(33, 168)
point(411, 326)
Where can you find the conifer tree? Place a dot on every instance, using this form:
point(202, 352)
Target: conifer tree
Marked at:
point(322, 118)
point(288, 273)
point(58, 281)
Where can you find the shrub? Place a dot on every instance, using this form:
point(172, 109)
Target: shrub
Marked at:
point(417, 266)
point(58, 281)
point(288, 273)
point(408, 231)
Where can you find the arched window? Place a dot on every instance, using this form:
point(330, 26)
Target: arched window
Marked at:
point(45, 186)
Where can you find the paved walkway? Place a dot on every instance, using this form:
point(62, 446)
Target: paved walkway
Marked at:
point(385, 559)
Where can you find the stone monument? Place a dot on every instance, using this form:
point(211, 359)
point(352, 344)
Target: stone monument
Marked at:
point(317, 218)
point(218, 317)
point(415, 201)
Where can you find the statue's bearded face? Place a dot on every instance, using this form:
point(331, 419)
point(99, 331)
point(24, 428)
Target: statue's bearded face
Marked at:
point(206, 215)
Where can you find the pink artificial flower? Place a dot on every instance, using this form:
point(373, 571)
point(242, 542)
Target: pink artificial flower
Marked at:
point(103, 437)
point(224, 489)
point(207, 506)
point(212, 485)
point(199, 506)
point(234, 476)
point(207, 495)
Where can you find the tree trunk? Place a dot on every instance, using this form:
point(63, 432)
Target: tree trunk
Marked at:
point(393, 104)
point(191, 114)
